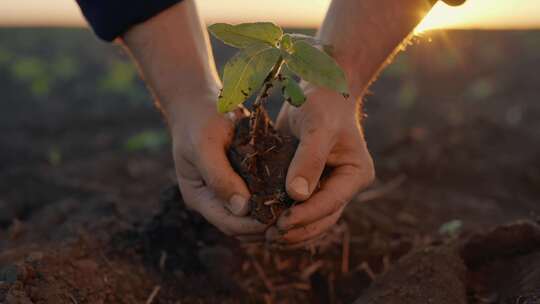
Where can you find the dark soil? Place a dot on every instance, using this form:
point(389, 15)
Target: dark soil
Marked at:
point(263, 165)
point(177, 252)
point(453, 128)
point(498, 266)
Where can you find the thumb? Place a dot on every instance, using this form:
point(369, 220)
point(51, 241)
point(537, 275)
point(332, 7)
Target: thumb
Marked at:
point(308, 164)
point(218, 174)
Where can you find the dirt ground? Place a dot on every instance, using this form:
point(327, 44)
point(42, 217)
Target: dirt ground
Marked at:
point(89, 212)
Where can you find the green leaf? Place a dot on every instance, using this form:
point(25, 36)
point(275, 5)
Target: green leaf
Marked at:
point(246, 34)
point(292, 92)
point(245, 73)
point(295, 37)
point(286, 43)
point(316, 67)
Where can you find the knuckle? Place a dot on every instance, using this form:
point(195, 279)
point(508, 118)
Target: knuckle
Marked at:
point(328, 124)
point(363, 172)
point(217, 183)
point(337, 204)
point(319, 131)
point(317, 156)
point(332, 128)
point(369, 171)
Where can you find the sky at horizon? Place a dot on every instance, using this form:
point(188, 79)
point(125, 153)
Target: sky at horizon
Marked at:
point(484, 14)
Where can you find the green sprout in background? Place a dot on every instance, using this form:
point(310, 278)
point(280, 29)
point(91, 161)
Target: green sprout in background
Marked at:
point(150, 140)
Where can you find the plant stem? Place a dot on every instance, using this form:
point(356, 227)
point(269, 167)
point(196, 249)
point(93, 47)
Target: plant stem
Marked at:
point(259, 112)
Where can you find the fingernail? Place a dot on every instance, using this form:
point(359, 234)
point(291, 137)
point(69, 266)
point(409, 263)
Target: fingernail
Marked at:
point(300, 186)
point(237, 204)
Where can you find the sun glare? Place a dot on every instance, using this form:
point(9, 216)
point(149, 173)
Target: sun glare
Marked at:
point(483, 14)
point(441, 16)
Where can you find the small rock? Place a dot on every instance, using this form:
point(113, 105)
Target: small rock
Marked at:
point(9, 274)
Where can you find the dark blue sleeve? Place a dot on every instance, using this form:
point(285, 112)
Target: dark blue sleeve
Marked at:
point(111, 18)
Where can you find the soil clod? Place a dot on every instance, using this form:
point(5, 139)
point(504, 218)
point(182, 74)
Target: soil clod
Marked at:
point(263, 165)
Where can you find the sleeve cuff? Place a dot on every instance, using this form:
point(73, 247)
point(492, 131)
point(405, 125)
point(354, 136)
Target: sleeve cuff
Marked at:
point(111, 18)
point(454, 2)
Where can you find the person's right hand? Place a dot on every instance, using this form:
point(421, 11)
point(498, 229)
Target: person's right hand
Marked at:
point(209, 185)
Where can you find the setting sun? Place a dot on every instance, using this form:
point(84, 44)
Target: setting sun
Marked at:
point(483, 14)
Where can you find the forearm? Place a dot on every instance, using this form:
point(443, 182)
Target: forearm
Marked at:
point(174, 55)
point(366, 34)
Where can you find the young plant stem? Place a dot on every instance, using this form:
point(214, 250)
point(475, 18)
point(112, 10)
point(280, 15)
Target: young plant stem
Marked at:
point(259, 114)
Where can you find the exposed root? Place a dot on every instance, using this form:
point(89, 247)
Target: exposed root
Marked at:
point(153, 295)
point(262, 275)
point(162, 260)
point(271, 202)
point(249, 156)
point(367, 269)
point(311, 269)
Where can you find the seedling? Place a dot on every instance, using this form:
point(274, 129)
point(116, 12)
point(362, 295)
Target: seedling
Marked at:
point(269, 57)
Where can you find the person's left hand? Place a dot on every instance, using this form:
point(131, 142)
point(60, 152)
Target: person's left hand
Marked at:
point(330, 135)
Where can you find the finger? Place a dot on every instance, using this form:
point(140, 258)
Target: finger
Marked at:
point(335, 192)
point(203, 200)
point(218, 174)
point(308, 164)
point(304, 233)
point(215, 213)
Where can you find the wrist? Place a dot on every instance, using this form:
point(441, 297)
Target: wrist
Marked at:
point(190, 103)
point(184, 92)
point(174, 56)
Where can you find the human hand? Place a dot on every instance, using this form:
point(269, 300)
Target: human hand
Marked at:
point(207, 181)
point(330, 135)
point(173, 53)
